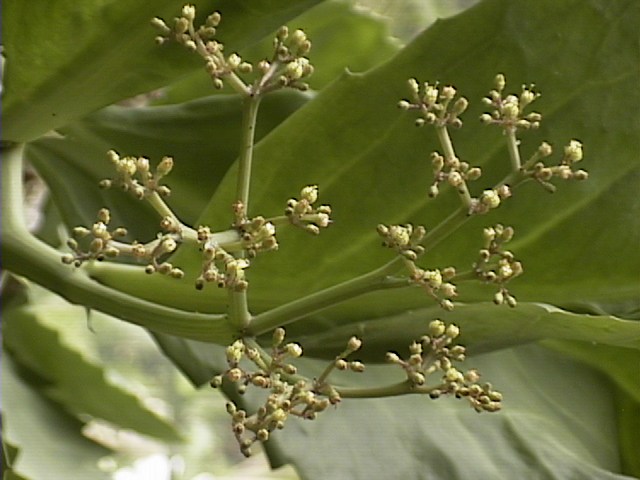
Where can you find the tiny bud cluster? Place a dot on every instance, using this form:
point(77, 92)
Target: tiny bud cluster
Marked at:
point(405, 240)
point(536, 169)
point(303, 214)
point(289, 395)
point(202, 41)
point(219, 266)
point(451, 171)
point(437, 351)
point(256, 234)
point(134, 175)
point(508, 111)
point(436, 105)
point(496, 265)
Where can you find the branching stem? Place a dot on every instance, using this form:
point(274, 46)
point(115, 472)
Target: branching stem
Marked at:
point(450, 154)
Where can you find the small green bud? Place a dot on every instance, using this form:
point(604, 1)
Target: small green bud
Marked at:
point(417, 378)
point(486, 118)
point(436, 328)
point(473, 174)
point(216, 382)
point(499, 82)
point(455, 179)
point(392, 358)
point(357, 367)
point(235, 374)
point(354, 344)
point(278, 336)
point(181, 25)
point(293, 349)
point(490, 198)
point(454, 375)
point(404, 105)
point(452, 331)
point(573, 152)
point(447, 305)
point(460, 106)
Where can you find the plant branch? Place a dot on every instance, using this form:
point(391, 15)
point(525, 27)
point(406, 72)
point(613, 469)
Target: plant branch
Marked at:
point(160, 206)
point(514, 151)
point(25, 255)
point(395, 389)
point(378, 279)
point(239, 315)
point(449, 155)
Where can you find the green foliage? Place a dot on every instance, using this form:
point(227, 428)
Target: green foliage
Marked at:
point(563, 418)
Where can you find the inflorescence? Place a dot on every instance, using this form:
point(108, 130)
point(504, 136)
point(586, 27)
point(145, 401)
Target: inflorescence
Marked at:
point(226, 255)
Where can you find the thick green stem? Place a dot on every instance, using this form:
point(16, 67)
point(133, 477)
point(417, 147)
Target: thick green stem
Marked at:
point(250, 115)
point(25, 255)
point(238, 305)
point(393, 390)
point(375, 280)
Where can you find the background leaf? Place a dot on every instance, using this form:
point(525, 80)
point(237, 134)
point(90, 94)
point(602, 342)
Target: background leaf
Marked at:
point(57, 450)
point(557, 423)
point(35, 335)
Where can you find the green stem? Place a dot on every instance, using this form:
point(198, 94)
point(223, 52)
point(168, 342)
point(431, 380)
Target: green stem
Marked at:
point(25, 255)
point(160, 206)
point(514, 151)
point(393, 390)
point(250, 114)
point(290, 312)
point(450, 154)
point(239, 314)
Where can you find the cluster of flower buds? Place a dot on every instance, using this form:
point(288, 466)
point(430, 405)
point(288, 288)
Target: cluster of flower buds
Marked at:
point(288, 394)
point(289, 66)
point(509, 111)
point(489, 199)
point(256, 234)
point(99, 239)
point(303, 214)
point(453, 172)
point(219, 266)
point(436, 284)
point(436, 352)
point(536, 169)
point(435, 104)
point(103, 243)
point(202, 40)
point(134, 175)
point(154, 252)
point(497, 265)
point(405, 240)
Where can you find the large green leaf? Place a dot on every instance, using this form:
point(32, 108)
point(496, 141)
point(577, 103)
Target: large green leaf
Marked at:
point(558, 422)
point(57, 451)
point(65, 59)
point(40, 340)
